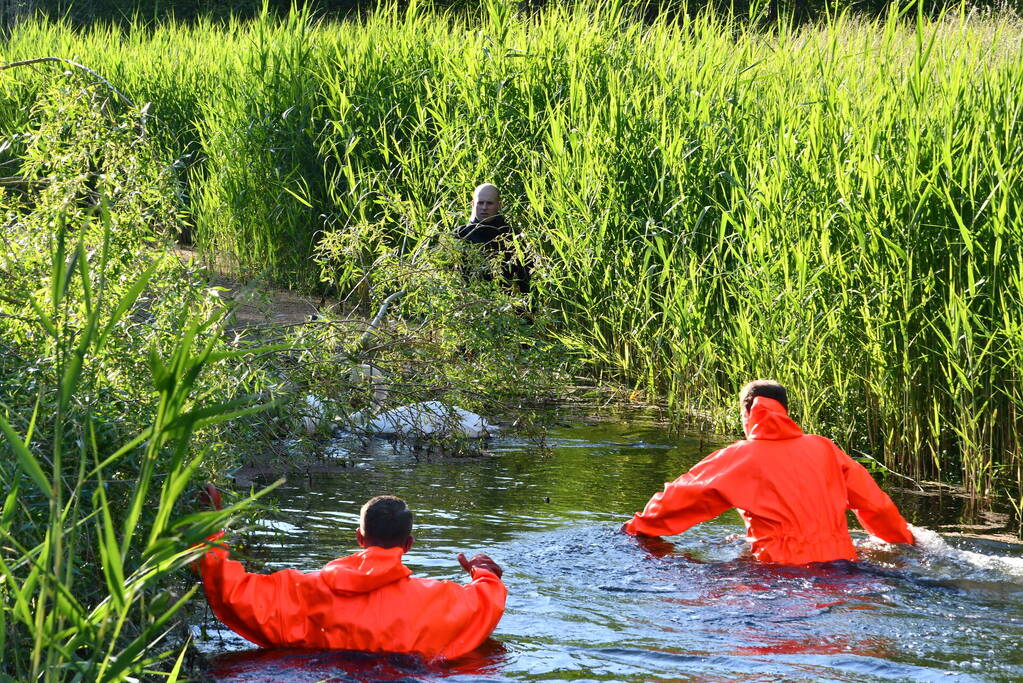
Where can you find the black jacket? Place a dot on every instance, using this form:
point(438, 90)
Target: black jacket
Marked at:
point(495, 236)
point(488, 232)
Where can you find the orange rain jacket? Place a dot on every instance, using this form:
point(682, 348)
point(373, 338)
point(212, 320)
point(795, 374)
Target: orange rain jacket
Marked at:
point(366, 601)
point(792, 490)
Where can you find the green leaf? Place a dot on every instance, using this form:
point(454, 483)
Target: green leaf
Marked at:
point(301, 200)
point(44, 320)
point(72, 372)
point(109, 552)
point(26, 460)
point(20, 609)
point(134, 443)
point(83, 268)
point(173, 486)
point(159, 370)
point(3, 628)
point(124, 304)
point(217, 356)
point(116, 669)
point(172, 675)
point(8, 512)
point(59, 269)
point(216, 413)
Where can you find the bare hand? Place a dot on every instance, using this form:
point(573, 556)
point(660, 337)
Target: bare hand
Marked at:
point(482, 562)
point(638, 534)
point(209, 498)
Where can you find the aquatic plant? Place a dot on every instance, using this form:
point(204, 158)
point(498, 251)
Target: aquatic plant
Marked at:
point(79, 508)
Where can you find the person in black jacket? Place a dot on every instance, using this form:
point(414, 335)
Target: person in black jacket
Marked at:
point(491, 232)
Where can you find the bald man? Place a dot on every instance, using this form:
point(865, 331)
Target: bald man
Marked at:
point(491, 232)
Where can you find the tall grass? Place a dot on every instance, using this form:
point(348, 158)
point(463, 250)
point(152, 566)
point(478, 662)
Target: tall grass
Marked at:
point(833, 205)
point(112, 360)
point(56, 621)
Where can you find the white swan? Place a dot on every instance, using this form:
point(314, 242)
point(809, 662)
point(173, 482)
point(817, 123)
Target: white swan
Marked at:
point(314, 415)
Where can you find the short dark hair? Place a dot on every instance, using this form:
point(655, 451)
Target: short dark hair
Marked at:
point(767, 388)
point(386, 521)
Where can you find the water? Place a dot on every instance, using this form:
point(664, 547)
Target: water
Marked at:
point(588, 603)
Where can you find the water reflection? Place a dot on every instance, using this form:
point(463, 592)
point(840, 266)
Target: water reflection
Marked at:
point(586, 602)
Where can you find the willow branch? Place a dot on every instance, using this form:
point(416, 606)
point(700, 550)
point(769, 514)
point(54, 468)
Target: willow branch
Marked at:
point(37, 60)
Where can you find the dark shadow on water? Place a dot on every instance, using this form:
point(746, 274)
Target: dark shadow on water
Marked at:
point(299, 666)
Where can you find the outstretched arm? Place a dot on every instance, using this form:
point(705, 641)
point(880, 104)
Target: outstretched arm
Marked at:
point(255, 606)
point(250, 604)
point(482, 601)
point(875, 510)
point(480, 561)
point(692, 498)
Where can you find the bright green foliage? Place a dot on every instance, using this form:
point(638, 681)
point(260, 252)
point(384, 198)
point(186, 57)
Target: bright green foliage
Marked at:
point(253, 202)
point(110, 353)
point(79, 506)
point(832, 205)
point(444, 338)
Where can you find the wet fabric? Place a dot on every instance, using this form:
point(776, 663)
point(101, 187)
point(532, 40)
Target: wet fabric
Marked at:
point(367, 601)
point(792, 490)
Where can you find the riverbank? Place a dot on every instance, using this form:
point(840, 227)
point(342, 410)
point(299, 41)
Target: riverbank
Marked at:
point(523, 399)
point(132, 376)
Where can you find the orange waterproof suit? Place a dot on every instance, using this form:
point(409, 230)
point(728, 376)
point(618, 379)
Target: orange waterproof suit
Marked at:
point(366, 601)
point(792, 490)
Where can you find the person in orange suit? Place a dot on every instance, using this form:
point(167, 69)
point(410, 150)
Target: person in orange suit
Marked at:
point(367, 601)
point(792, 490)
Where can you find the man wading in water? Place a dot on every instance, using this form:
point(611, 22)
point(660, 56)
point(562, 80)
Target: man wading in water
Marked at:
point(491, 231)
point(792, 490)
point(367, 601)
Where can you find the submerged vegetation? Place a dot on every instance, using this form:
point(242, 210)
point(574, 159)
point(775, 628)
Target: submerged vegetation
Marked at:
point(703, 201)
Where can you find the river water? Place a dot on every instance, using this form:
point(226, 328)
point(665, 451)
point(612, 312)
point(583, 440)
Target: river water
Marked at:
point(588, 603)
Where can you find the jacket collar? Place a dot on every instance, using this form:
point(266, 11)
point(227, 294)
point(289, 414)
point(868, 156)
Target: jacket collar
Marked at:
point(495, 221)
point(769, 421)
point(365, 571)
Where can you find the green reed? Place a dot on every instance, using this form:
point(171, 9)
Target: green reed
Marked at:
point(113, 357)
point(86, 564)
point(833, 205)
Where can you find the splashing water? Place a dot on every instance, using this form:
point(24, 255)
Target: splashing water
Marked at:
point(934, 546)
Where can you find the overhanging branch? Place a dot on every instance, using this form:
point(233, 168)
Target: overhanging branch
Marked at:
point(37, 60)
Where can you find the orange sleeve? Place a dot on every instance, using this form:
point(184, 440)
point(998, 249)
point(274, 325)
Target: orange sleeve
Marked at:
point(255, 606)
point(875, 510)
point(484, 597)
point(694, 497)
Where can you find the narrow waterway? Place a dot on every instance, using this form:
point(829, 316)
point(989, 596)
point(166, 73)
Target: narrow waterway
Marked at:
point(589, 603)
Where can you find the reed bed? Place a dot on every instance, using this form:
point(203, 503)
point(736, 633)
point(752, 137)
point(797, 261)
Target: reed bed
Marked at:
point(834, 205)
